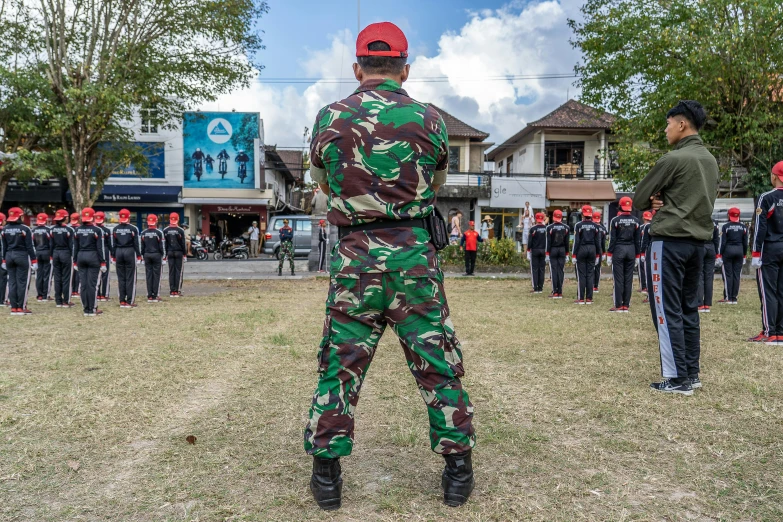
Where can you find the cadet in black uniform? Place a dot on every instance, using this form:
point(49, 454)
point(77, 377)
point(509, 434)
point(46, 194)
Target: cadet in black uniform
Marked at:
point(42, 238)
point(175, 254)
point(126, 255)
point(75, 280)
point(602, 240)
point(557, 239)
point(767, 259)
point(104, 288)
point(644, 242)
point(585, 251)
point(536, 253)
point(731, 255)
point(153, 251)
point(3, 273)
point(19, 258)
point(623, 253)
point(62, 259)
point(88, 253)
point(711, 248)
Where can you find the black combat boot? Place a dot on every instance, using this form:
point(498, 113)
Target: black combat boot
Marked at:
point(327, 483)
point(457, 479)
point(292, 272)
point(279, 271)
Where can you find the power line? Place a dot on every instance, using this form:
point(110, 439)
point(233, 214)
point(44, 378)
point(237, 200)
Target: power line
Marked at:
point(430, 79)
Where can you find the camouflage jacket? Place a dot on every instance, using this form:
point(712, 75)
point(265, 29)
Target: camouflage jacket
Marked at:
point(380, 152)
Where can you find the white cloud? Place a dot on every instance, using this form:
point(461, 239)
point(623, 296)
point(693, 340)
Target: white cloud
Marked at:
point(523, 38)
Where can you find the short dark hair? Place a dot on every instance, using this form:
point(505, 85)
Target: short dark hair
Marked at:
point(691, 110)
point(381, 64)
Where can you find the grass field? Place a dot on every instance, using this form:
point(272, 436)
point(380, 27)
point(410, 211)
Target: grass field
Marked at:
point(94, 413)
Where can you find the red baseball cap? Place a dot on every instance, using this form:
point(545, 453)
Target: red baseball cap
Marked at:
point(173, 218)
point(387, 33)
point(587, 211)
point(322, 222)
point(539, 217)
point(596, 217)
point(626, 204)
point(557, 214)
point(734, 214)
point(471, 223)
point(75, 218)
point(647, 215)
point(100, 217)
point(41, 218)
point(152, 219)
point(2, 218)
point(88, 215)
point(60, 215)
point(778, 170)
point(124, 215)
point(14, 214)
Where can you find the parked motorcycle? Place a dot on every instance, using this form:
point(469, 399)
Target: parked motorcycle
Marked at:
point(236, 249)
point(198, 249)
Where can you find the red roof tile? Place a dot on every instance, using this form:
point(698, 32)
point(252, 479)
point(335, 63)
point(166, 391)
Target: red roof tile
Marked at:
point(458, 128)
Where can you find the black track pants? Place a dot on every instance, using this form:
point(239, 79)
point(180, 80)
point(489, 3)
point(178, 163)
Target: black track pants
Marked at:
point(470, 261)
point(18, 266)
point(89, 269)
point(75, 282)
point(732, 270)
point(557, 257)
point(770, 282)
point(321, 255)
point(623, 262)
point(104, 280)
point(43, 277)
point(176, 271)
point(538, 268)
point(3, 285)
point(152, 267)
point(673, 281)
point(597, 276)
point(126, 274)
point(707, 280)
point(643, 274)
point(585, 272)
point(62, 267)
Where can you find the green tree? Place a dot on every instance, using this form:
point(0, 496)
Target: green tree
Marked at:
point(641, 56)
point(107, 58)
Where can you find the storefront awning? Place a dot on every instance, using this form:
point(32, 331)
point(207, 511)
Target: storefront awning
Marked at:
point(136, 194)
point(579, 190)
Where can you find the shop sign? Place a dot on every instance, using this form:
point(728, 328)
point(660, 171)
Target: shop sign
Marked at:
point(119, 198)
point(234, 208)
point(515, 192)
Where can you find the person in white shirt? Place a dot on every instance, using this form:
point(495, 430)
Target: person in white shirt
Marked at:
point(254, 233)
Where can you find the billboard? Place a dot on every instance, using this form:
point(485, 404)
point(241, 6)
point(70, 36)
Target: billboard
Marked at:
point(514, 192)
point(156, 168)
point(219, 149)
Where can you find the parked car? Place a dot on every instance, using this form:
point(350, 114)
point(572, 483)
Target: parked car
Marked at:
point(302, 234)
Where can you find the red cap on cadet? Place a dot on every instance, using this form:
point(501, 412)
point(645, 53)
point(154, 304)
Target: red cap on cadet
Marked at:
point(557, 215)
point(60, 215)
point(322, 222)
point(778, 170)
point(88, 215)
point(647, 215)
point(539, 217)
point(626, 204)
point(41, 218)
point(14, 214)
point(734, 214)
point(596, 217)
point(471, 223)
point(173, 218)
point(100, 217)
point(387, 33)
point(152, 220)
point(2, 218)
point(124, 216)
point(587, 211)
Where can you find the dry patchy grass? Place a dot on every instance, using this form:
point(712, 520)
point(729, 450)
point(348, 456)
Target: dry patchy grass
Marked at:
point(94, 413)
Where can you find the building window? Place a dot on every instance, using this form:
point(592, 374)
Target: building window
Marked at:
point(454, 157)
point(509, 165)
point(149, 121)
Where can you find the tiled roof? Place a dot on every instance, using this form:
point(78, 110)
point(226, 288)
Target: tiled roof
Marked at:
point(458, 128)
point(293, 161)
point(575, 115)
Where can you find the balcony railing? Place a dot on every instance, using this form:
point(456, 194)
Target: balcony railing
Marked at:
point(469, 179)
point(579, 173)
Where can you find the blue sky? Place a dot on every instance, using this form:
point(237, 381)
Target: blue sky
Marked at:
point(475, 45)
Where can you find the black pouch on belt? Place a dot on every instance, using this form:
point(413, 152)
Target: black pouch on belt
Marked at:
point(436, 226)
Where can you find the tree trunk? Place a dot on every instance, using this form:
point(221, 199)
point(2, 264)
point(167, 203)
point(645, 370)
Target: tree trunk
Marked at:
point(3, 186)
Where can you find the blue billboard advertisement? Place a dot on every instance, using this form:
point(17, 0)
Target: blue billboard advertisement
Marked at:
point(156, 167)
point(219, 149)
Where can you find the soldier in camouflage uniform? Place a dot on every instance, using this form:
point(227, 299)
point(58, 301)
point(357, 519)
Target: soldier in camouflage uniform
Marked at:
point(381, 156)
point(286, 247)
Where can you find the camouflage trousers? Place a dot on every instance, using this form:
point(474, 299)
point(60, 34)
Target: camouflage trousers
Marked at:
point(357, 312)
point(286, 250)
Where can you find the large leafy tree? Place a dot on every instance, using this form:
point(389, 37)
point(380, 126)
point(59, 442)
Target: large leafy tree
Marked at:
point(107, 58)
point(641, 56)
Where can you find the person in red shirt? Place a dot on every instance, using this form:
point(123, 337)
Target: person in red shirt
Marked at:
point(470, 240)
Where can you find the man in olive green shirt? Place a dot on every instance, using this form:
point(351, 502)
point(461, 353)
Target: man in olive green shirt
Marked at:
point(682, 188)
